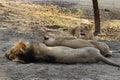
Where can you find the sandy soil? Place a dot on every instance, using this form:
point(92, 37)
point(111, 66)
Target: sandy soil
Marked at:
point(15, 26)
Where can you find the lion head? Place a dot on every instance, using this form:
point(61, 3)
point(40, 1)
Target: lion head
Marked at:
point(20, 52)
point(86, 27)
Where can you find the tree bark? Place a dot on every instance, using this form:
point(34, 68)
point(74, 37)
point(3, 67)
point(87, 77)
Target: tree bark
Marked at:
point(96, 17)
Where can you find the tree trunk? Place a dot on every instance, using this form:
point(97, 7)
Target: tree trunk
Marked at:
point(96, 17)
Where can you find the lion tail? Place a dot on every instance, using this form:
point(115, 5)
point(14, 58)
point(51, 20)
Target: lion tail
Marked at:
point(115, 51)
point(108, 61)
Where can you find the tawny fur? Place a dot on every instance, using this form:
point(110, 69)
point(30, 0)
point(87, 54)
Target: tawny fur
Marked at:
point(75, 32)
point(79, 43)
point(85, 31)
point(88, 31)
point(59, 54)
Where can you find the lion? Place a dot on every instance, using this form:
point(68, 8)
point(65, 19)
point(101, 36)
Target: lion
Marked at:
point(78, 43)
point(16, 53)
point(25, 52)
point(85, 31)
point(88, 31)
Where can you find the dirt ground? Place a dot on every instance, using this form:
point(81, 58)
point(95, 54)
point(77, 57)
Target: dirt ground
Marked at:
point(13, 28)
point(47, 71)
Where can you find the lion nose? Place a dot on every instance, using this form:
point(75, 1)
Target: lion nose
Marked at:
point(81, 30)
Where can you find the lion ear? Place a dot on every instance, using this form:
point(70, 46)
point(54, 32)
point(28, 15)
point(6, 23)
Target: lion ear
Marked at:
point(19, 42)
point(91, 26)
point(46, 37)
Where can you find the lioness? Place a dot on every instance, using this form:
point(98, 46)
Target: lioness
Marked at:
point(85, 31)
point(88, 31)
point(29, 52)
point(78, 43)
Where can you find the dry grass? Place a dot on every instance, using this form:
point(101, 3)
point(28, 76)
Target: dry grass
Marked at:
point(16, 14)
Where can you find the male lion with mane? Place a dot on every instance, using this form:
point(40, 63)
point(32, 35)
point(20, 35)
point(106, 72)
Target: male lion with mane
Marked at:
point(31, 52)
